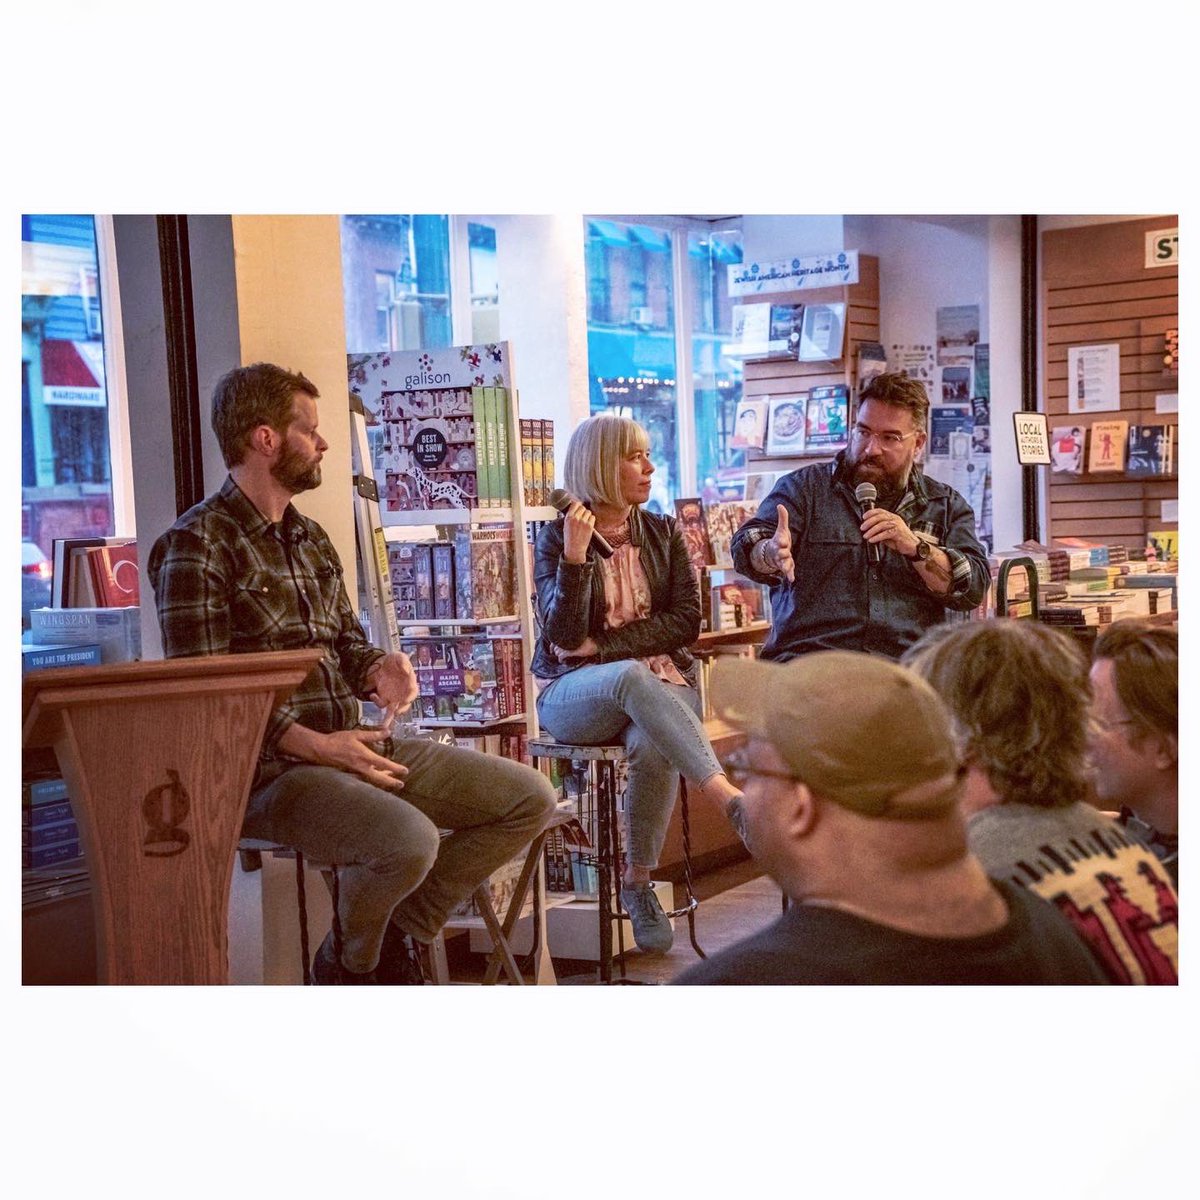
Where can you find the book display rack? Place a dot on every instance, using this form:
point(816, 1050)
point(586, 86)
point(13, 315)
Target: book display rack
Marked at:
point(1115, 449)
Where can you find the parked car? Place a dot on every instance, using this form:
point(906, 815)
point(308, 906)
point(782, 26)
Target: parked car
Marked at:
point(36, 574)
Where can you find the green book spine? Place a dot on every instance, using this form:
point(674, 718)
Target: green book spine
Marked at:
point(503, 470)
point(483, 481)
point(491, 445)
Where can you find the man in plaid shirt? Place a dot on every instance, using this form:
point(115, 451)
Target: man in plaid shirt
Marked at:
point(244, 571)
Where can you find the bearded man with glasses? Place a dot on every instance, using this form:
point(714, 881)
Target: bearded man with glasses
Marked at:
point(847, 576)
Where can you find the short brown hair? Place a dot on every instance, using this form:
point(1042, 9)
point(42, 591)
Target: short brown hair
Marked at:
point(1018, 693)
point(1145, 659)
point(901, 392)
point(247, 397)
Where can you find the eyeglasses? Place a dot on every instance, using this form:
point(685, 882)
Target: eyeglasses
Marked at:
point(739, 772)
point(889, 441)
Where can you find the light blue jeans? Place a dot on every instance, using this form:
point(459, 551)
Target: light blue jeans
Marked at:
point(659, 724)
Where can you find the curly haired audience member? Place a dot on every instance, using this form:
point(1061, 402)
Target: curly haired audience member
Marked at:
point(1018, 694)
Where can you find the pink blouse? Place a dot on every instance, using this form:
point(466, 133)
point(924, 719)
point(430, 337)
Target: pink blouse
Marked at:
point(627, 598)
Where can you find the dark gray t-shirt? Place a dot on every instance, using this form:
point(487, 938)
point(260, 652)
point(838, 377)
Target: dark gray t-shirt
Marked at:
point(812, 944)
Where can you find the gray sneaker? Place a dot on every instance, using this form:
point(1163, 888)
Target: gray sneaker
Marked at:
point(651, 926)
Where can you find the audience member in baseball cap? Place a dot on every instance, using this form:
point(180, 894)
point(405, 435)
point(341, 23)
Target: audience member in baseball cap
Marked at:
point(850, 783)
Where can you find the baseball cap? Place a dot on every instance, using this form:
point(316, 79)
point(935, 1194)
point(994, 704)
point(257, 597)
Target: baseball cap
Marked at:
point(859, 730)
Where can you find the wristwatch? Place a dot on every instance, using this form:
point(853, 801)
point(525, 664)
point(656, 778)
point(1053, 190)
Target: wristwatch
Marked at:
point(922, 553)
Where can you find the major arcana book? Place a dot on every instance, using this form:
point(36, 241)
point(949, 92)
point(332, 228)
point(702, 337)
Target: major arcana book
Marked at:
point(689, 514)
point(786, 416)
point(749, 425)
point(1066, 449)
point(827, 419)
point(1107, 449)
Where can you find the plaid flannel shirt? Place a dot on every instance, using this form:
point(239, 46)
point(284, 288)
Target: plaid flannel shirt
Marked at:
point(228, 581)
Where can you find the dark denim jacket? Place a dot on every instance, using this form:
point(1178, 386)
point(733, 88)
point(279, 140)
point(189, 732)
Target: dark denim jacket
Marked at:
point(571, 600)
point(839, 602)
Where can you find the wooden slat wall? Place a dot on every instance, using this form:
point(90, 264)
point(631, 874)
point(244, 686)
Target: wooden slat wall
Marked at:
point(1096, 289)
point(764, 378)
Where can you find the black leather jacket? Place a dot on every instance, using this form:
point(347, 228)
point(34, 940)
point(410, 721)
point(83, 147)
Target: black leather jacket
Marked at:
point(570, 598)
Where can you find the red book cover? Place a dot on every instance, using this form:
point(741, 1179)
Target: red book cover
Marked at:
point(114, 575)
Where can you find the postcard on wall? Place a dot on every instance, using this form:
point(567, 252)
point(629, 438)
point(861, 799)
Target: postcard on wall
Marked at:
point(1166, 402)
point(750, 425)
point(1066, 448)
point(945, 420)
point(956, 385)
point(822, 331)
point(1094, 378)
point(872, 361)
point(914, 360)
point(785, 424)
point(983, 370)
point(957, 333)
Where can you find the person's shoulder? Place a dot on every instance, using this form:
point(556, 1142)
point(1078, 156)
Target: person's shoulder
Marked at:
point(206, 521)
point(774, 955)
point(935, 489)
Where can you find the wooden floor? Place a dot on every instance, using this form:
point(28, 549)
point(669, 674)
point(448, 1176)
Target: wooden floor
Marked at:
point(735, 901)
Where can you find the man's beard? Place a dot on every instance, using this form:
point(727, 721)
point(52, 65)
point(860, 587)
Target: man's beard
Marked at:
point(296, 473)
point(888, 483)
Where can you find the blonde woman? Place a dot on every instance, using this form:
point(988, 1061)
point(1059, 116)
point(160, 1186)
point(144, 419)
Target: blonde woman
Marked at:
point(612, 659)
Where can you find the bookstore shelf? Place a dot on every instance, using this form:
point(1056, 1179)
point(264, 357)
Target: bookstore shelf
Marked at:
point(415, 628)
point(434, 723)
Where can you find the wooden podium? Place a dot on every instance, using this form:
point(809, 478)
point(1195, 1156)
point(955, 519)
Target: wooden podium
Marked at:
point(159, 758)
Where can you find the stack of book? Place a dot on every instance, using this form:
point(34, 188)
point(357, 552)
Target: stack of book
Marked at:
point(94, 615)
point(469, 579)
point(95, 572)
point(731, 601)
point(537, 460)
point(49, 835)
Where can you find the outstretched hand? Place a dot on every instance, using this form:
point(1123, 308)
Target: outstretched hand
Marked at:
point(780, 552)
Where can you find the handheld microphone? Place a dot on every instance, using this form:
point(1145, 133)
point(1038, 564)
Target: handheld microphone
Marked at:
point(865, 494)
point(562, 500)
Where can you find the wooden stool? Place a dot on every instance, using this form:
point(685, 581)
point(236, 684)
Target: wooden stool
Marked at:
point(604, 759)
point(501, 956)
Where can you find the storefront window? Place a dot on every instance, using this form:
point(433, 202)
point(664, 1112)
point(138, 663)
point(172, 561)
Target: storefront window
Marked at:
point(716, 380)
point(66, 472)
point(631, 338)
point(396, 281)
point(485, 284)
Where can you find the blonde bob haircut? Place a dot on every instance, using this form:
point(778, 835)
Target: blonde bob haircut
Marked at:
point(592, 467)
